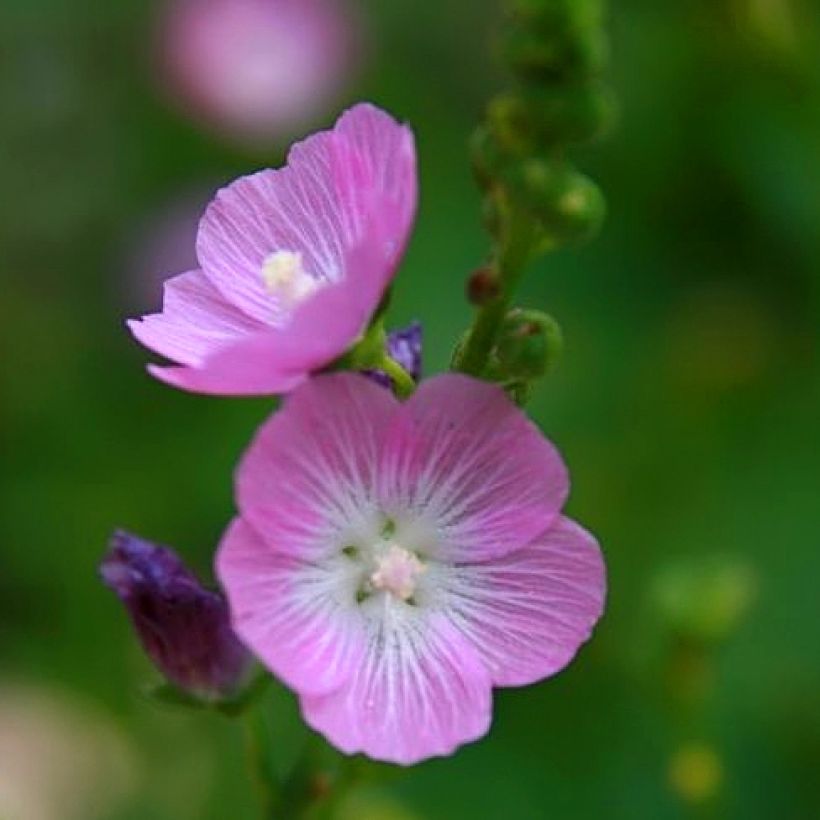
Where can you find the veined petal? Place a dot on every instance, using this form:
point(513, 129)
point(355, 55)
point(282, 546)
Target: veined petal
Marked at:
point(276, 360)
point(307, 482)
point(319, 206)
point(387, 153)
point(301, 619)
point(196, 320)
point(462, 458)
point(421, 691)
point(528, 612)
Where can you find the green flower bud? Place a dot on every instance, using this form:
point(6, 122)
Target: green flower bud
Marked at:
point(510, 125)
point(522, 123)
point(569, 206)
point(570, 113)
point(528, 346)
point(487, 158)
point(565, 17)
point(536, 55)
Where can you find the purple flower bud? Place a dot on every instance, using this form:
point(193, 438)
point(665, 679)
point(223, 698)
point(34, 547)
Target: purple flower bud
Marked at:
point(183, 627)
point(403, 346)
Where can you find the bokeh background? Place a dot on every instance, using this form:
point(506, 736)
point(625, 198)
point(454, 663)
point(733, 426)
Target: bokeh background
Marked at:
point(687, 403)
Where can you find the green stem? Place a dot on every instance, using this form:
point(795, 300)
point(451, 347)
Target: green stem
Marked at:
point(260, 759)
point(371, 354)
point(516, 251)
point(403, 384)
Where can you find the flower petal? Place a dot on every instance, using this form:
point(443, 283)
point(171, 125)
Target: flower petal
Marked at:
point(462, 458)
point(388, 153)
point(421, 691)
point(307, 481)
point(195, 321)
point(300, 619)
point(318, 205)
point(528, 612)
point(276, 360)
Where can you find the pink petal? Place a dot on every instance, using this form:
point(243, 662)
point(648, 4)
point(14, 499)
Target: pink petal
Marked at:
point(276, 360)
point(300, 619)
point(195, 321)
point(470, 463)
point(528, 612)
point(421, 691)
point(306, 482)
point(318, 205)
point(388, 154)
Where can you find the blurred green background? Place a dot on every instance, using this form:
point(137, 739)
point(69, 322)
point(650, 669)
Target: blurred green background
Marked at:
point(687, 405)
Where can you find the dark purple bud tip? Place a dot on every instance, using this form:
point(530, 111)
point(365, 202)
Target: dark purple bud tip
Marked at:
point(404, 347)
point(183, 627)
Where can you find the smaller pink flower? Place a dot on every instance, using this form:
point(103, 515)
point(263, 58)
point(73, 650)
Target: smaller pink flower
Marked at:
point(258, 70)
point(293, 262)
point(393, 562)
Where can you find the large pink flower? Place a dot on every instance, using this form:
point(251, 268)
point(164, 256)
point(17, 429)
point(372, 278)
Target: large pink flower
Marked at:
point(293, 262)
point(393, 562)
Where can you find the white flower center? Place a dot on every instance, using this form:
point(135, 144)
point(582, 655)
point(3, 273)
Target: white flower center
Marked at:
point(286, 278)
point(397, 571)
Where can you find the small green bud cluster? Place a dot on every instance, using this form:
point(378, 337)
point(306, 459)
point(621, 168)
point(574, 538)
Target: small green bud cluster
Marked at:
point(557, 51)
point(534, 198)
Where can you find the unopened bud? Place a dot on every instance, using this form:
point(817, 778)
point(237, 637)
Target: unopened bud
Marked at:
point(184, 628)
point(575, 112)
point(509, 122)
point(486, 157)
point(555, 49)
point(529, 345)
point(482, 286)
point(569, 205)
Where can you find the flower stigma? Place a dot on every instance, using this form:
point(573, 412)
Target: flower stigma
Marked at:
point(286, 278)
point(397, 571)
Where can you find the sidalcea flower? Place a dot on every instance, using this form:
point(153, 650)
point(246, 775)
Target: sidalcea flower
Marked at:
point(293, 262)
point(258, 70)
point(183, 627)
point(393, 562)
point(404, 346)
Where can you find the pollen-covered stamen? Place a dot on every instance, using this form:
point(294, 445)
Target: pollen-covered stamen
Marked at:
point(286, 278)
point(397, 571)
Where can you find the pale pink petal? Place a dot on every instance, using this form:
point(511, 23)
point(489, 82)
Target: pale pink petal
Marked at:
point(464, 460)
point(421, 691)
point(307, 481)
point(318, 205)
point(195, 321)
point(300, 619)
point(528, 612)
point(388, 154)
point(276, 360)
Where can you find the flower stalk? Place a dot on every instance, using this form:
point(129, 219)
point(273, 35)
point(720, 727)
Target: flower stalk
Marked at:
point(534, 200)
point(513, 258)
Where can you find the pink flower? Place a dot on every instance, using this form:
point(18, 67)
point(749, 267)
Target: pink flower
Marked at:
point(393, 562)
point(258, 70)
point(293, 262)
